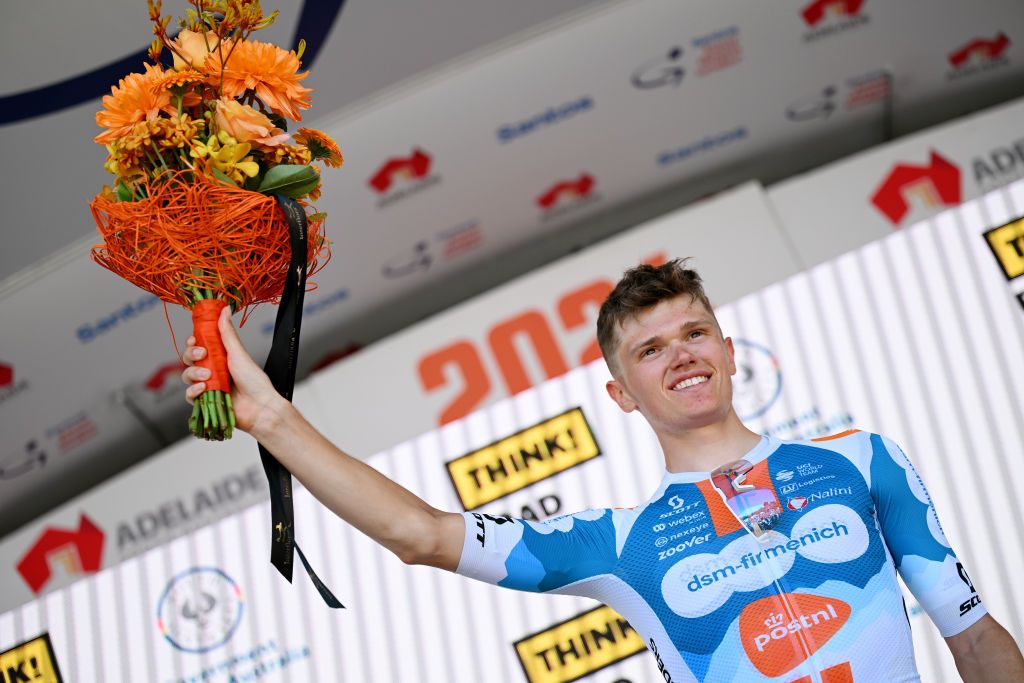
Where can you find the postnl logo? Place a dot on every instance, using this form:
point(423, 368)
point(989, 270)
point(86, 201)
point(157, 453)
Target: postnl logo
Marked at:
point(935, 184)
point(578, 646)
point(819, 10)
point(779, 632)
point(979, 51)
point(79, 551)
point(565, 191)
point(523, 458)
point(1007, 245)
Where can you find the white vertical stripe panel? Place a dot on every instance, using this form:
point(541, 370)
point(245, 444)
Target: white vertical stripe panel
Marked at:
point(86, 637)
point(308, 608)
point(8, 633)
point(56, 623)
point(128, 579)
point(110, 627)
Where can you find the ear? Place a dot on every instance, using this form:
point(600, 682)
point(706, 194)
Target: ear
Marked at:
point(731, 351)
point(620, 396)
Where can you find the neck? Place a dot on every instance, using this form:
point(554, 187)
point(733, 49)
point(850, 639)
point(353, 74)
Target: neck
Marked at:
point(705, 448)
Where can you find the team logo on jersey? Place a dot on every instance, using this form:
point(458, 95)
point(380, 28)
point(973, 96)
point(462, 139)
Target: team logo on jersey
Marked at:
point(784, 475)
point(797, 503)
point(779, 632)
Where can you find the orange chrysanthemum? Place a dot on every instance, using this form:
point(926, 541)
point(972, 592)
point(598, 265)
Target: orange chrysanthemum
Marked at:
point(270, 72)
point(137, 97)
point(321, 146)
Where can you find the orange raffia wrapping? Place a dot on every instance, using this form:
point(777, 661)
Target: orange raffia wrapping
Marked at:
point(192, 231)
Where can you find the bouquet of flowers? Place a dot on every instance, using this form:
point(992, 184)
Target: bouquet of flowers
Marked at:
point(201, 158)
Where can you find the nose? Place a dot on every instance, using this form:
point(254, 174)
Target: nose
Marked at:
point(680, 354)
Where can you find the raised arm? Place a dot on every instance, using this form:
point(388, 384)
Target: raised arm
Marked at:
point(386, 512)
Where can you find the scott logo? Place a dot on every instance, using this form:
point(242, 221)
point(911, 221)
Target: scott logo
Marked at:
point(79, 551)
point(936, 184)
point(980, 50)
point(409, 168)
point(566, 190)
point(676, 502)
point(816, 12)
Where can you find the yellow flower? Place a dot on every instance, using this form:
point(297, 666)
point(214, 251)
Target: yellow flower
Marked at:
point(228, 156)
point(245, 124)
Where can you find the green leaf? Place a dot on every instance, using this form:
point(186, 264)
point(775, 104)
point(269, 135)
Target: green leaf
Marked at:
point(221, 176)
point(291, 180)
point(123, 193)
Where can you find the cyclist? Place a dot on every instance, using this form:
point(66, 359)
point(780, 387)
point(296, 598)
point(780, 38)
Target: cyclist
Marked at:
point(755, 559)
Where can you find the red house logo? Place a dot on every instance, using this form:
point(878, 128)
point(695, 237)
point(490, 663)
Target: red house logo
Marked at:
point(936, 184)
point(408, 168)
point(817, 11)
point(6, 375)
point(158, 380)
point(79, 551)
point(980, 50)
point(566, 190)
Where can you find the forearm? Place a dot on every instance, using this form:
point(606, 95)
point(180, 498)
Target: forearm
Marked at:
point(987, 653)
point(382, 509)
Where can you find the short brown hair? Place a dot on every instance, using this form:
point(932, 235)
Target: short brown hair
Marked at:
point(640, 288)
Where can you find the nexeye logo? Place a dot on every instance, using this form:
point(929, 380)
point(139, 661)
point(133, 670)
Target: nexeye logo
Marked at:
point(936, 184)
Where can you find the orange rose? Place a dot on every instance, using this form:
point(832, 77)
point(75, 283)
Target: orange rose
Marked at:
point(245, 124)
point(192, 46)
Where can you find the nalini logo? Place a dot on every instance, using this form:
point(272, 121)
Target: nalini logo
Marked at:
point(797, 503)
point(199, 609)
point(77, 551)
point(979, 55)
point(779, 632)
point(400, 177)
point(934, 185)
point(567, 195)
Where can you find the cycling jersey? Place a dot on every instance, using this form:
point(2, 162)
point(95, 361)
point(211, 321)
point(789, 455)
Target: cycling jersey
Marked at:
point(814, 599)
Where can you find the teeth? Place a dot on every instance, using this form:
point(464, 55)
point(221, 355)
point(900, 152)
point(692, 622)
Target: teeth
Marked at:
point(691, 382)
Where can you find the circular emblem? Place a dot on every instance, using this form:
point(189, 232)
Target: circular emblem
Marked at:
point(199, 609)
point(758, 380)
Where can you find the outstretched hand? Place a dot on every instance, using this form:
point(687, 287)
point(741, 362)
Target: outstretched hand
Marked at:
point(252, 395)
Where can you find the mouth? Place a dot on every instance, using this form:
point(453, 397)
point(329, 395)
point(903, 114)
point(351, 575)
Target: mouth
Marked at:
point(691, 382)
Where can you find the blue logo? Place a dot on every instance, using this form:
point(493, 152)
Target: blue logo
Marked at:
point(549, 117)
point(758, 380)
point(199, 609)
point(706, 144)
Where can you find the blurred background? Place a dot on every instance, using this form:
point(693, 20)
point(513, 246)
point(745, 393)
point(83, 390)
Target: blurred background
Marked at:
point(851, 163)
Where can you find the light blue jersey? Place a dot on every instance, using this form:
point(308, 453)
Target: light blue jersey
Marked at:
point(815, 598)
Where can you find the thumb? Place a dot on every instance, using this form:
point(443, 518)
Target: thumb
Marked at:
point(232, 344)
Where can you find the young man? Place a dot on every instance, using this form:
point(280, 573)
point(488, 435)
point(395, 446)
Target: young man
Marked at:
point(724, 577)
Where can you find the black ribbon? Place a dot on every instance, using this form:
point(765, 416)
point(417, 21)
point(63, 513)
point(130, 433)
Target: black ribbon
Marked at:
point(280, 367)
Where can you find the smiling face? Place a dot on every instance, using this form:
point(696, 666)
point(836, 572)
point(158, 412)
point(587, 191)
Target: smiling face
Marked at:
point(673, 365)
